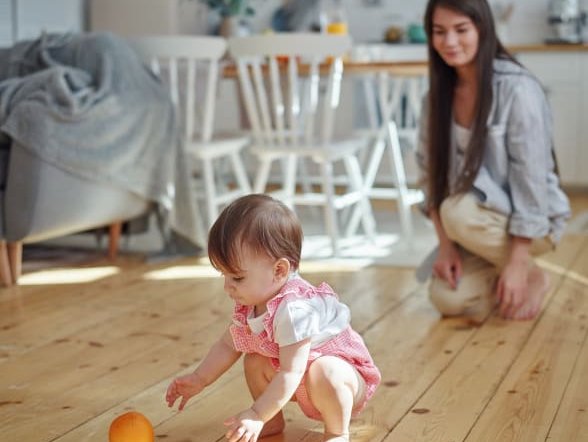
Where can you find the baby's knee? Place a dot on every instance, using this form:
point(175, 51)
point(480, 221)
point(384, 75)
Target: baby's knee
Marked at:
point(322, 372)
point(254, 362)
point(330, 375)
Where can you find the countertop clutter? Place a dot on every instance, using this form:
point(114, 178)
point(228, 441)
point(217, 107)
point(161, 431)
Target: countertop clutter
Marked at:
point(548, 47)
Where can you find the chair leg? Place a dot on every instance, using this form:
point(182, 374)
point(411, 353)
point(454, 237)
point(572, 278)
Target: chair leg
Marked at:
point(240, 174)
point(262, 175)
point(5, 272)
point(210, 190)
point(363, 204)
point(289, 183)
point(114, 232)
point(15, 259)
point(400, 176)
point(330, 209)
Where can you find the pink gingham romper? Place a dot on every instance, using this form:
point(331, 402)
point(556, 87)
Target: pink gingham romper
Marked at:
point(347, 345)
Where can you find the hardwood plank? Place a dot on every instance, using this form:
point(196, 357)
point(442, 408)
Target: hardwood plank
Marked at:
point(126, 352)
point(220, 413)
point(112, 333)
point(447, 409)
point(74, 356)
point(410, 339)
point(199, 412)
point(523, 406)
point(41, 321)
point(571, 420)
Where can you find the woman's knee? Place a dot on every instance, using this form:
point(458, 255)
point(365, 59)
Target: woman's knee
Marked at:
point(445, 299)
point(474, 295)
point(455, 212)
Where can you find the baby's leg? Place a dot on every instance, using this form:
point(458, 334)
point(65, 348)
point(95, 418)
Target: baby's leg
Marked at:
point(259, 372)
point(334, 388)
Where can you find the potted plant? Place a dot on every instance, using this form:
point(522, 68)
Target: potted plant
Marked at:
point(230, 8)
point(231, 13)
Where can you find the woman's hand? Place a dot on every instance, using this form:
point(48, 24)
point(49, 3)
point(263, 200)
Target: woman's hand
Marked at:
point(184, 387)
point(512, 290)
point(447, 266)
point(244, 427)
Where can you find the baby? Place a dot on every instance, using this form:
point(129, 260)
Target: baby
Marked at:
point(297, 338)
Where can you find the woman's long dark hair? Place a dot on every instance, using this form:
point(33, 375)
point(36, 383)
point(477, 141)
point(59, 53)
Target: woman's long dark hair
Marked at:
point(442, 82)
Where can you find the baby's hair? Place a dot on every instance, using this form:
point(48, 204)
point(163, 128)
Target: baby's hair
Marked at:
point(260, 222)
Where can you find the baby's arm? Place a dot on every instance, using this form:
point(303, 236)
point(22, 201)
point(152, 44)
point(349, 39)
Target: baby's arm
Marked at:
point(293, 361)
point(221, 356)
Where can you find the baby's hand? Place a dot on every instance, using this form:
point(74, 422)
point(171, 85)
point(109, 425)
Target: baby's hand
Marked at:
point(244, 427)
point(184, 387)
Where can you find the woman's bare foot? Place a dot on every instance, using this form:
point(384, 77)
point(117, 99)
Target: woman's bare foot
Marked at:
point(538, 285)
point(274, 426)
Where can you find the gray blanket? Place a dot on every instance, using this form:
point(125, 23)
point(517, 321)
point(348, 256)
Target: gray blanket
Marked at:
point(86, 104)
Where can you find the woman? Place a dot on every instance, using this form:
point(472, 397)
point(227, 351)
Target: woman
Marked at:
point(488, 168)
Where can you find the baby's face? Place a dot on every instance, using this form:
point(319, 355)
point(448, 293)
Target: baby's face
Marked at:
point(256, 283)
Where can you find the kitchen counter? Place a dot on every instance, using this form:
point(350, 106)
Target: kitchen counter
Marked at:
point(386, 52)
point(544, 47)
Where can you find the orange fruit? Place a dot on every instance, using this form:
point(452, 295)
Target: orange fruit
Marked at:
point(131, 427)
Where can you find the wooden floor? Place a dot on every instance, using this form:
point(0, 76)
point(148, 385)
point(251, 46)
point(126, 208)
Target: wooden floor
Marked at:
point(81, 345)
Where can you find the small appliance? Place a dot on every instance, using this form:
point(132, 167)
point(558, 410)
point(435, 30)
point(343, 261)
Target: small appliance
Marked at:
point(566, 21)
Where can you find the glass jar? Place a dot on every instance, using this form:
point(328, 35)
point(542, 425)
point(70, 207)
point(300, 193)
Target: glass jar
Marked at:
point(333, 19)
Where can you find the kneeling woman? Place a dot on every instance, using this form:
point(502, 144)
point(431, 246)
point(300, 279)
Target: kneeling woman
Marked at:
point(488, 167)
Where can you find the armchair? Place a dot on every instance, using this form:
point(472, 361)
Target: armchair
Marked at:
point(39, 201)
point(88, 138)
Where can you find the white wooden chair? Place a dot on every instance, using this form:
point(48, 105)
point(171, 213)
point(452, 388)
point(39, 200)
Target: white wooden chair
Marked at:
point(393, 109)
point(291, 100)
point(189, 65)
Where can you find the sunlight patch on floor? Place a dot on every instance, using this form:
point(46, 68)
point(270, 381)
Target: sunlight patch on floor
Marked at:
point(182, 272)
point(333, 265)
point(68, 276)
point(575, 276)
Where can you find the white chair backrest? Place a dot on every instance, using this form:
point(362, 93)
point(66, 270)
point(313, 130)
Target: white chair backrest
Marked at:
point(290, 97)
point(190, 67)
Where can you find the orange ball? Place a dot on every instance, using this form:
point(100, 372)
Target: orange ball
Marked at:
point(131, 427)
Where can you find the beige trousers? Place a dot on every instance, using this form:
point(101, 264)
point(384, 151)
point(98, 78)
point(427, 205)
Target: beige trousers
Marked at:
point(484, 241)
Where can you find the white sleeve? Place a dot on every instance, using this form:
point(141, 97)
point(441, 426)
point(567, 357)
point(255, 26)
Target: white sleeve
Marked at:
point(317, 318)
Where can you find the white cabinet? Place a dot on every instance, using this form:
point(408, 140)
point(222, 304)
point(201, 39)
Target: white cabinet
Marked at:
point(565, 78)
point(139, 17)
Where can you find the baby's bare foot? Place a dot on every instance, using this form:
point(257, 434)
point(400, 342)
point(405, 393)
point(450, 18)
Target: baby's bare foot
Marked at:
point(274, 426)
point(539, 283)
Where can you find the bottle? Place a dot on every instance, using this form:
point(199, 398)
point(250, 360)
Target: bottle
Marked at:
point(333, 18)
